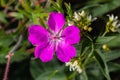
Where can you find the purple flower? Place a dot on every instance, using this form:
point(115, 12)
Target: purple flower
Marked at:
point(55, 39)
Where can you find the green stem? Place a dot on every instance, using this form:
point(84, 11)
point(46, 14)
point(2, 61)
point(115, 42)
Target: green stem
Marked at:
point(92, 50)
point(89, 56)
point(104, 33)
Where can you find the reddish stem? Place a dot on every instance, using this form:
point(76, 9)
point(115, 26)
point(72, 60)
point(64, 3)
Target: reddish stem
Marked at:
point(7, 66)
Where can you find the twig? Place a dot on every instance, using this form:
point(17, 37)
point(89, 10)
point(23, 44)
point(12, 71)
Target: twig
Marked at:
point(10, 54)
point(7, 66)
point(16, 45)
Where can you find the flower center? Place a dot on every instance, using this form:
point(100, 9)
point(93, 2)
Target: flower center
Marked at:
point(55, 37)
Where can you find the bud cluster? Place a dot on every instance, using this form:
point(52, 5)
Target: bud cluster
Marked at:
point(113, 24)
point(74, 65)
point(83, 20)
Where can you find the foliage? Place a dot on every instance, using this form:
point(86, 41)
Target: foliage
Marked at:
point(96, 60)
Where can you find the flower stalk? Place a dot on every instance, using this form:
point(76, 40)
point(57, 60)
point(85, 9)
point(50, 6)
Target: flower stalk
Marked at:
point(7, 65)
point(10, 54)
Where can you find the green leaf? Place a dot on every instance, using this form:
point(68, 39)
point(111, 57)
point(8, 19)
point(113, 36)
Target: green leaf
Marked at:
point(57, 76)
point(2, 17)
point(113, 66)
point(47, 71)
point(111, 55)
point(84, 45)
point(100, 9)
point(58, 5)
point(94, 72)
point(2, 3)
point(20, 55)
point(35, 19)
point(5, 40)
point(69, 11)
point(38, 18)
point(103, 40)
point(42, 22)
point(26, 14)
point(119, 30)
point(26, 6)
point(97, 1)
point(103, 66)
point(83, 76)
point(114, 42)
point(16, 15)
point(44, 76)
point(3, 53)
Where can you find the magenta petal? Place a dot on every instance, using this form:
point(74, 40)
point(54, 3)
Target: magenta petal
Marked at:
point(38, 35)
point(56, 21)
point(71, 34)
point(65, 52)
point(44, 53)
